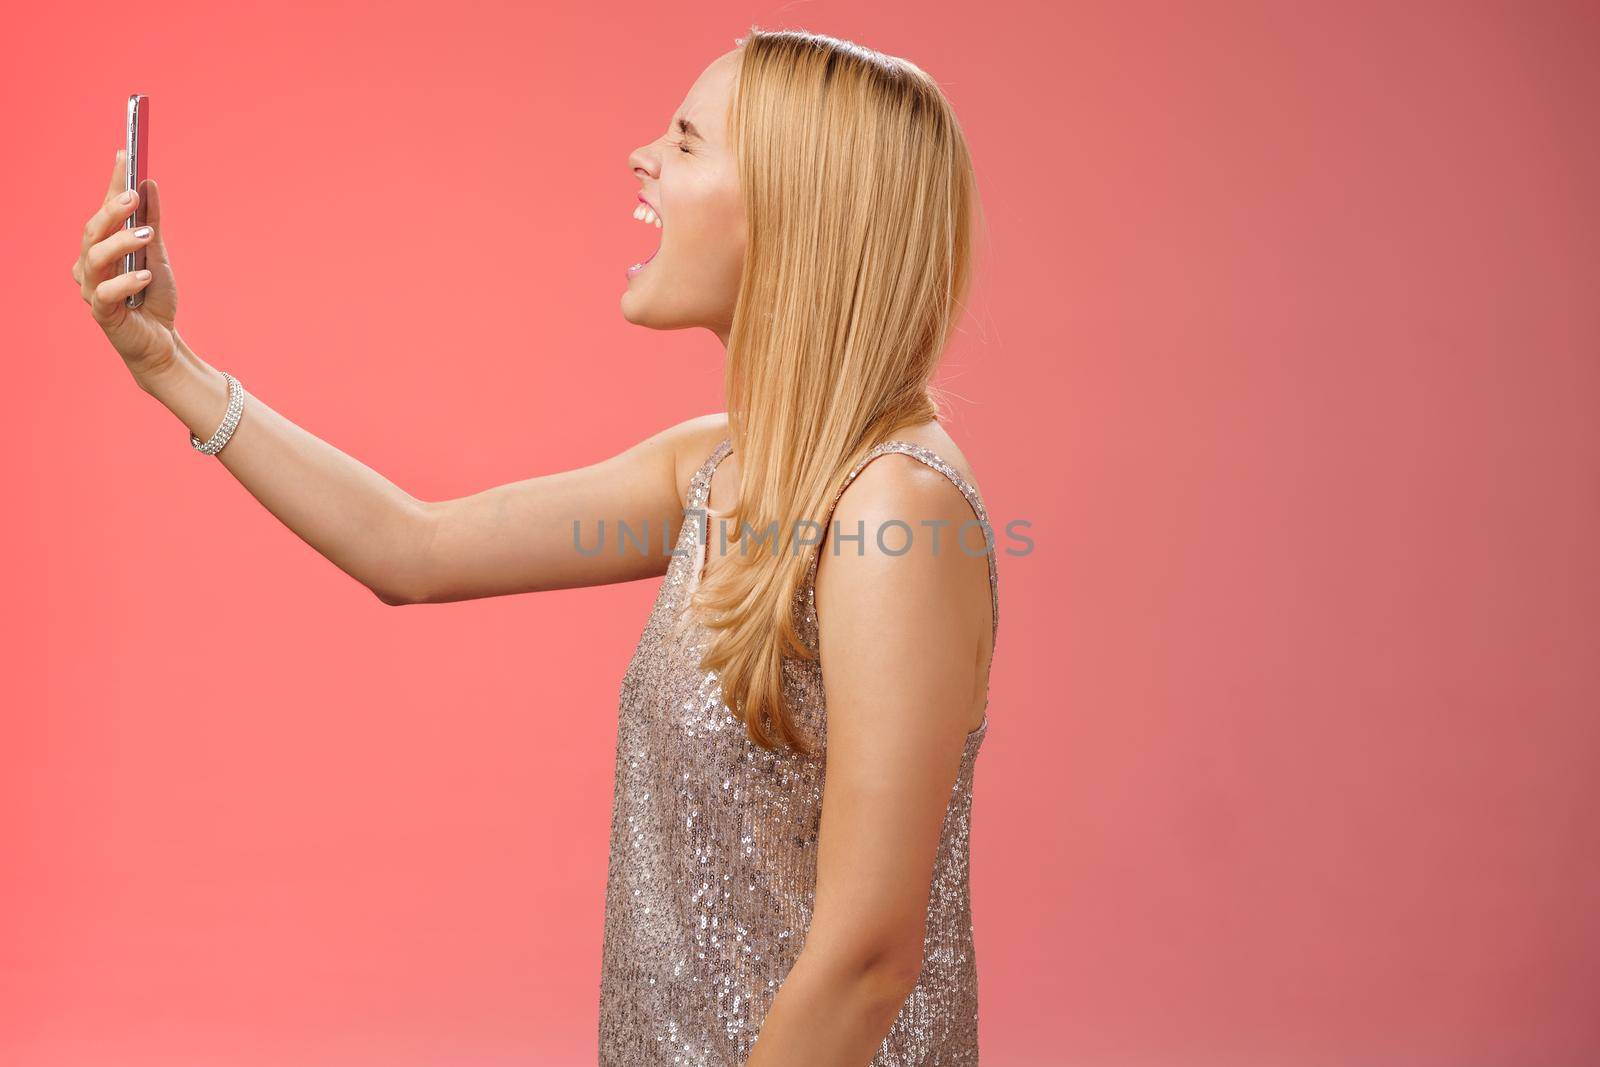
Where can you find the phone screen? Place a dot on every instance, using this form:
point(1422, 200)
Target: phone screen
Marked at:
point(138, 170)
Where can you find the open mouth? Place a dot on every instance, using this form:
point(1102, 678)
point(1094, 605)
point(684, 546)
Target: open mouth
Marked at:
point(646, 214)
point(639, 266)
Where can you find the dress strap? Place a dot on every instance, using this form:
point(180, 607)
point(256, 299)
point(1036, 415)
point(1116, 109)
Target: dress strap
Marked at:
point(696, 513)
point(700, 485)
point(932, 459)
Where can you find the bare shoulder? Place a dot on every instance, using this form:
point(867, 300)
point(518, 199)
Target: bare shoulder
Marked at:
point(899, 486)
point(896, 538)
point(902, 586)
point(898, 501)
point(933, 436)
point(693, 441)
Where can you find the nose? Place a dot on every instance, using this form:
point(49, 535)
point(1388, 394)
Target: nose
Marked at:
point(643, 161)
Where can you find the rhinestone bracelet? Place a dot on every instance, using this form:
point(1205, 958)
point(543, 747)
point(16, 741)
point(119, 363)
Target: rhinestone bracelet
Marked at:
point(230, 419)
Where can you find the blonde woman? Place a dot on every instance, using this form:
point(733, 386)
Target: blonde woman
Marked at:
point(815, 202)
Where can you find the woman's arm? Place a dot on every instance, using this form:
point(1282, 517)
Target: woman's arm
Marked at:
point(900, 641)
point(562, 530)
point(508, 539)
point(513, 538)
point(363, 523)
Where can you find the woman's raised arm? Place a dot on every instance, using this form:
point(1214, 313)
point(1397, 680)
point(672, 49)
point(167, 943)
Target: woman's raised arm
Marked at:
point(547, 532)
point(541, 533)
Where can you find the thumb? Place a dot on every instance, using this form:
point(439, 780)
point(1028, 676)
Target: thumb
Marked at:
point(156, 250)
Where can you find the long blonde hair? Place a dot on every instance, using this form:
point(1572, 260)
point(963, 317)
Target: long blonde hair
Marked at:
point(858, 189)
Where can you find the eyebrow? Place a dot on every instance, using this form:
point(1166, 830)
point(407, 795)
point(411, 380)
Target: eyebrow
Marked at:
point(688, 130)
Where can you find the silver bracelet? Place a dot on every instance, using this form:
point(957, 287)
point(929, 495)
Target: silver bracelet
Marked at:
point(230, 419)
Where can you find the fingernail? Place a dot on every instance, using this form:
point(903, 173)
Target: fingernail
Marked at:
point(125, 198)
point(141, 274)
point(142, 231)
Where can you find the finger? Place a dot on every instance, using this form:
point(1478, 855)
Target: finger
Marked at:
point(109, 217)
point(105, 257)
point(156, 253)
point(107, 304)
point(119, 175)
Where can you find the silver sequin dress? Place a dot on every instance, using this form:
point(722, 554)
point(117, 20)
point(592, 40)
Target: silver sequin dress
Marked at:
point(712, 871)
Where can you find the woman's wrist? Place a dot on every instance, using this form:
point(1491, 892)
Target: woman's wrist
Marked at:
point(191, 389)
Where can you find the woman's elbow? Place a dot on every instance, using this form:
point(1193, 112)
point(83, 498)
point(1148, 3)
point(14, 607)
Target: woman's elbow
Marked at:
point(883, 970)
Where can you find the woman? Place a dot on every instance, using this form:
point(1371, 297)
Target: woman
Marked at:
point(813, 199)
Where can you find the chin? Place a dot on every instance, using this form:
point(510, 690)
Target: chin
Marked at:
point(636, 309)
point(627, 309)
point(641, 307)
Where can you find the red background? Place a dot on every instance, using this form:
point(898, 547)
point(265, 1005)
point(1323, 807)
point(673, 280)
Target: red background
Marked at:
point(1285, 343)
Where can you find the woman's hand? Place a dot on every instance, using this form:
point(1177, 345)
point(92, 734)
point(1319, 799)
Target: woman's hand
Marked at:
point(143, 336)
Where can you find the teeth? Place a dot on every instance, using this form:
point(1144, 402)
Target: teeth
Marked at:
point(644, 214)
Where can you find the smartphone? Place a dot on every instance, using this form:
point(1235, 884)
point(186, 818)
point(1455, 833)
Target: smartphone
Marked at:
point(138, 170)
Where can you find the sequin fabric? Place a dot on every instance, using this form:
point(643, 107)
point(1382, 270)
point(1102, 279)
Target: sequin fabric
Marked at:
point(712, 871)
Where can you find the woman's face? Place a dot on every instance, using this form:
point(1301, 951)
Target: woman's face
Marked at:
point(690, 180)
